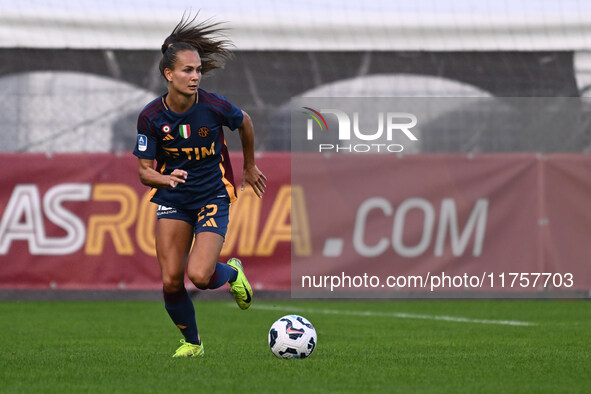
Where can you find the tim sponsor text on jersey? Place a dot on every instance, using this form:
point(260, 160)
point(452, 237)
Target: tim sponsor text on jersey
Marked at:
point(196, 153)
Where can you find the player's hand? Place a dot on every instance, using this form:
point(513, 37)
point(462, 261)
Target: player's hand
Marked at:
point(176, 177)
point(256, 179)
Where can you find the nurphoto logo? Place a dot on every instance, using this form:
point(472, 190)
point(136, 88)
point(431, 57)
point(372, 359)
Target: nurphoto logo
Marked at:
point(350, 136)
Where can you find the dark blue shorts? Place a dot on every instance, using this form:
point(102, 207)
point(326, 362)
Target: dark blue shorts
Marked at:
point(213, 217)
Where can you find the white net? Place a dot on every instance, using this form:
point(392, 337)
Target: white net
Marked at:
point(75, 74)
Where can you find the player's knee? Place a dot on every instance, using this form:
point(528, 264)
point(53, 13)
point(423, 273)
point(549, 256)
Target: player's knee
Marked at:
point(199, 278)
point(172, 284)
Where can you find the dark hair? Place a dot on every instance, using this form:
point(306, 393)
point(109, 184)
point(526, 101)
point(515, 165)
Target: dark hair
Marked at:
point(205, 37)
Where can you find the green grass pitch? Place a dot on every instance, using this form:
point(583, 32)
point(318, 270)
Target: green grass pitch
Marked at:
point(465, 346)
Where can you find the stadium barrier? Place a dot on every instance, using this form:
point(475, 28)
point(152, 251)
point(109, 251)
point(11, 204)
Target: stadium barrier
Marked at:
point(82, 221)
point(496, 224)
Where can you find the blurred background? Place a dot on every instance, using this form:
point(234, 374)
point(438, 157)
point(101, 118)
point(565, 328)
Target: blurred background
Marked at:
point(75, 74)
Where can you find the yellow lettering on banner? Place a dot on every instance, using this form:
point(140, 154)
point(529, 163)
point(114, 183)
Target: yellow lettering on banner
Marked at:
point(244, 224)
point(277, 229)
point(144, 229)
point(300, 228)
point(116, 225)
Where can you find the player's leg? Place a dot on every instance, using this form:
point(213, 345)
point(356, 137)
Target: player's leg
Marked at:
point(207, 273)
point(173, 242)
point(203, 267)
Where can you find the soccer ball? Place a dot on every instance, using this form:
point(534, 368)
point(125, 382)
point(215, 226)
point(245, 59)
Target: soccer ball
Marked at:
point(292, 336)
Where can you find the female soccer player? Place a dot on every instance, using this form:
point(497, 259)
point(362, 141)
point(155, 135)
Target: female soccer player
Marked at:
point(193, 182)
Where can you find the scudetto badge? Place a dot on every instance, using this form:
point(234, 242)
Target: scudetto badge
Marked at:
point(185, 130)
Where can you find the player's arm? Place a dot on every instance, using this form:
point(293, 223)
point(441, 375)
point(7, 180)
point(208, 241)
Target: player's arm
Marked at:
point(250, 172)
point(150, 177)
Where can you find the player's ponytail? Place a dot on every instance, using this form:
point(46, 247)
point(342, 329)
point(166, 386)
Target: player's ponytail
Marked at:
point(206, 37)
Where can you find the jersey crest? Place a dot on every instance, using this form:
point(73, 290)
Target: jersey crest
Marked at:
point(185, 130)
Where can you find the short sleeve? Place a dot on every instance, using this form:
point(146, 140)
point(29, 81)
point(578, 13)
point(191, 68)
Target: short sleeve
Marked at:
point(233, 116)
point(145, 145)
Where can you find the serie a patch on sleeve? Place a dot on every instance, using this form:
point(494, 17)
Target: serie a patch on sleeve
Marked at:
point(142, 142)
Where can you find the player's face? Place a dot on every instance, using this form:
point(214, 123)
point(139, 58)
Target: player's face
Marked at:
point(186, 73)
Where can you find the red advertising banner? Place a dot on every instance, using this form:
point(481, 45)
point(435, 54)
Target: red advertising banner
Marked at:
point(483, 223)
point(83, 221)
point(566, 221)
point(382, 225)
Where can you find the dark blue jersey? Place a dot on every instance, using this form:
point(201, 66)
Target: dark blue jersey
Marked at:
point(192, 141)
